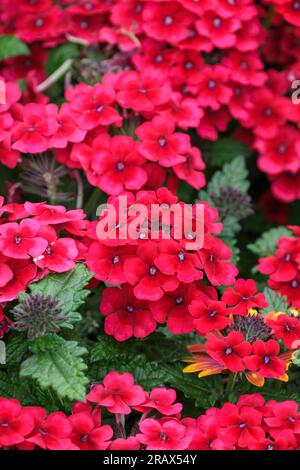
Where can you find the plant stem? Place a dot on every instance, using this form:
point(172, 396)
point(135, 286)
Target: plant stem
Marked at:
point(55, 76)
point(230, 385)
point(79, 200)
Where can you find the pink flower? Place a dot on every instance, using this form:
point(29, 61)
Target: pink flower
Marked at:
point(163, 435)
point(21, 241)
point(118, 393)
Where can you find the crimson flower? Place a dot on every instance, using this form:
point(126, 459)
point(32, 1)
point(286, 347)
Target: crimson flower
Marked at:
point(15, 423)
point(126, 316)
point(36, 123)
point(209, 315)
point(21, 241)
point(161, 399)
point(92, 106)
point(142, 93)
point(142, 273)
point(243, 297)
point(229, 351)
point(53, 433)
point(163, 435)
point(265, 360)
point(286, 328)
point(118, 393)
point(241, 427)
point(160, 142)
point(87, 434)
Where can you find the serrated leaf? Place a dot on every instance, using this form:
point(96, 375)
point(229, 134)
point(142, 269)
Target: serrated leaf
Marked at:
point(204, 392)
point(68, 288)
point(59, 366)
point(232, 175)
point(106, 348)
point(266, 244)
point(11, 46)
point(226, 149)
point(277, 303)
point(16, 347)
point(60, 54)
point(231, 227)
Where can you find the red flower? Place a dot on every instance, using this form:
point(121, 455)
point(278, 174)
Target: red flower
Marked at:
point(241, 427)
point(53, 433)
point(214, 257)
point(166, 21)
point(15, 423)
point(229, 351)
point(23, 273)
point(281, 267)
point(173, 309)
point(160, 142)
point(220, 30)
point(243, 297)
point(163, 435)
point(246, 70)
point(282, 416)
point(209, 316)
point(280, 153)
point(161, 399)
point(142, 93)
point(190, 170)
point(142, 273)
point(59, 256)
point(212, 89)
point(67, 130)
point(118, 393)
point(36, 123)
point(21, 241)
point(131, 443)
point(265, 360)
point(175, 261)
point(92, 106)
point(286, 328)
point(118, 164)
point(125, 315)
point(89, 435)
point(108, 262)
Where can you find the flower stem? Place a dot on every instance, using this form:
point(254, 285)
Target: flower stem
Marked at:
point(55, 76)
point(230, 385)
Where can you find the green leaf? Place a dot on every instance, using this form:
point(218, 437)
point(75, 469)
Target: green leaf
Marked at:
point(266, 244)
point(59, 366)
point(11, 46)
point(68, 288)
point(16, 347)
point(277, 303)
point(233, 175)
point(60, 54)
point(107, 348)
point(226, 149)
point(205, 392)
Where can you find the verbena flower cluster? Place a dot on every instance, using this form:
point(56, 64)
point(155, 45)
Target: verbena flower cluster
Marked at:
point(140, 99)
point(251, 424)
point(283, 267)
point(185, 65)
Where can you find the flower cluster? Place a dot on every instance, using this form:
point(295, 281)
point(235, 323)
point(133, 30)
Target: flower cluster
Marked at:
point(249, 345)
point(158, 277)
point(35, 240)
point(283, 268)
point(251, 424)
point(191, 66)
